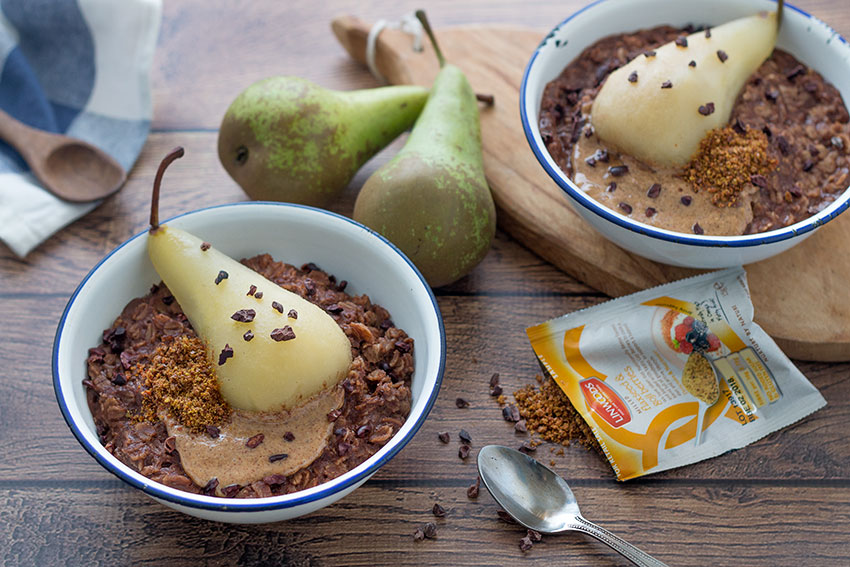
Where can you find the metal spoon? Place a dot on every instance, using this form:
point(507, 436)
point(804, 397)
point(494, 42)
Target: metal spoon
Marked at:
point(70, 169)
point(541, 500)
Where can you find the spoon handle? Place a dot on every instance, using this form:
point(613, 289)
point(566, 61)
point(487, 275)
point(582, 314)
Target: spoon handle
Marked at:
point(621, 546)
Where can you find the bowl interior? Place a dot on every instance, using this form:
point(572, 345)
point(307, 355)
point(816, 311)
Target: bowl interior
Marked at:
point(810, 40)
point(292, 234)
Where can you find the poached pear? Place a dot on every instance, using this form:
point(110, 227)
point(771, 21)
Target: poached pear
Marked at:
point(432, 199)
point(271, 348)
point(288, 139)
point(660, 105)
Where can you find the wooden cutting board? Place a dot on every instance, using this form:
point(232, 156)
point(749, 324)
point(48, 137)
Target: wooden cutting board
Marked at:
point(800, 297)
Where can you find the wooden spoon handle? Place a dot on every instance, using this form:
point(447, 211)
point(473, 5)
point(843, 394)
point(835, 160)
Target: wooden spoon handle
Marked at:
point(20, 136)
point(392, 48)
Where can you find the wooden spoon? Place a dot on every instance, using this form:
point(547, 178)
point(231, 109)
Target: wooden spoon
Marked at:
point(70, 169)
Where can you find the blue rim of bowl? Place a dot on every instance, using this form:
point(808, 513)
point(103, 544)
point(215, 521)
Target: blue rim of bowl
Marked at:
point(249, 505)
point(579, 196)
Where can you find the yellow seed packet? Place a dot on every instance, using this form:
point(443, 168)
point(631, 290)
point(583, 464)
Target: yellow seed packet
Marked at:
point(648, 370)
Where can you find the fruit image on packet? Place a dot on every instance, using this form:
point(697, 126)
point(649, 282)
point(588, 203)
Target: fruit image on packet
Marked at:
point(639, 367)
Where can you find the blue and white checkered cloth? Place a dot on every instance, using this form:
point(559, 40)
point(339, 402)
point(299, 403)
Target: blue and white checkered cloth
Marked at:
point(81, 68)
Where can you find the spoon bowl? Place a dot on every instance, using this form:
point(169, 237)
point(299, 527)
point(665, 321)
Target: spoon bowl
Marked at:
point(541, 500)
point(71, 169)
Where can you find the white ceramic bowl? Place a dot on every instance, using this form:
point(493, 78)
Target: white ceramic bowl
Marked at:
point(291, 233)
point(807, 38)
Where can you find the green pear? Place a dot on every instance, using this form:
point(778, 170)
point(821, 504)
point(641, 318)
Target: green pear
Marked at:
point(659, 107)
point(271, 348)
point(432, 199)
point(287, 139)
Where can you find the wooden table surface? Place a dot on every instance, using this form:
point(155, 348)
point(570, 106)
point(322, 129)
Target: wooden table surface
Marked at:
point(784, 500)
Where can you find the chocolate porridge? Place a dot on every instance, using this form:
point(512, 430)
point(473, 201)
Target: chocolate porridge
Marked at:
point(787, 116)
point(376, 391)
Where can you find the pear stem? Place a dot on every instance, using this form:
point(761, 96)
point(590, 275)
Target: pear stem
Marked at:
point(485, 98)
point(157, 181)
point(423, 19)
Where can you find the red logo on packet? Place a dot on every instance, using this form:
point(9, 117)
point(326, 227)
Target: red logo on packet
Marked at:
point(604, 402)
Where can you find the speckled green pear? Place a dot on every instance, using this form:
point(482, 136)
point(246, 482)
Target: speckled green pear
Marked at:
point(432, 199)
point(260, 373)
point(287, 139)
point(664, 126)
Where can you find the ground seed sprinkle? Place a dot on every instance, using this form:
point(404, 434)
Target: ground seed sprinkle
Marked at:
point(548, 412)
point(181, 380)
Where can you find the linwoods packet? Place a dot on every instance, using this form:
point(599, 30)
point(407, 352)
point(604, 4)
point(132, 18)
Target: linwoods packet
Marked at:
point(648, 370)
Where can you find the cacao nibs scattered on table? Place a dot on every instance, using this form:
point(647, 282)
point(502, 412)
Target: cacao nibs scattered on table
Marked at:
point(527, 448)
point(444, 437)
point(248, 336)
point(210, 486)
point(231, 490)
point(463, 452)
point(474, 489)
point(255, 441)
point(667, 85)
point(633, 77)
point(119, 380)
point(511, 413)
point(461, 403)
point(626, 208)
point(654, 190)
point(289, 436)
point(430, 530)
point(278, 457)
point(496, 390)
point(525, 544)
point(535, 536)
point(505, 517)
point(226, 352)
point(204, 247)
point(464, 436)
point(293, 314)
point(686, 200)
point(682, 41)
point(212, 431)
point(277, 306)
point(333, 415)
point(222, 275)
point(722, 55)
point(244, 315)
point(258, 295)
point(252, 290)
point(707, 109)
point(618, 170)
point(283, 334)
point(438, 511)
point(418, 535)
point(520, 426)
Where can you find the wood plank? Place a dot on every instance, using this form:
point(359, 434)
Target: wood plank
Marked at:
point(105, 523)
point(487, 335)
point(198, 180)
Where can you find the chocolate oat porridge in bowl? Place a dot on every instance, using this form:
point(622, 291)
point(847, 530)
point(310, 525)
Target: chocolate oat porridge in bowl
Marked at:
point(334, 307)
point(694, 133)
